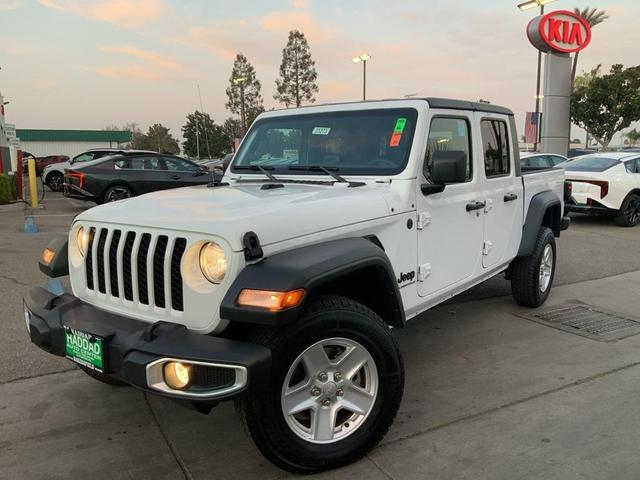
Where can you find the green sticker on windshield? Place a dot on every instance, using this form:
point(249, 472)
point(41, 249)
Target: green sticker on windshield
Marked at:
point(400, 124)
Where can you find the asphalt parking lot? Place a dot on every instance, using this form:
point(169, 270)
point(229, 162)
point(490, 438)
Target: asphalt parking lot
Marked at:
point(490, 391)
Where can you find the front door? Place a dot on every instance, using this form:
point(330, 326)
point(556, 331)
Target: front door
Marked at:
point(502, 192)
point(449, 233)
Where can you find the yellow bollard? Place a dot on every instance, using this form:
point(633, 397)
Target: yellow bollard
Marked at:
point(33, 189)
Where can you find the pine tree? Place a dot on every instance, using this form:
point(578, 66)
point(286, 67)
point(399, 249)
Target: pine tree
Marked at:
point(243, 92)
point(297, 82)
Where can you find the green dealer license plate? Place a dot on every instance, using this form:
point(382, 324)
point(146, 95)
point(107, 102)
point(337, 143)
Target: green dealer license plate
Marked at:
point(84, 349)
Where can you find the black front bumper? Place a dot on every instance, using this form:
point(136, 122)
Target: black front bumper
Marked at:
point(131, 345)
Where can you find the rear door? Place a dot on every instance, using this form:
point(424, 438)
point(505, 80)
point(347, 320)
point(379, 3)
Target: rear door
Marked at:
point(502, 191)
point(449, 234)
point(143, 174)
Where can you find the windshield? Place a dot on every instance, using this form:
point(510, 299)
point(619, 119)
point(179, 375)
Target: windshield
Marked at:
point(363, 142)
point(591, 164)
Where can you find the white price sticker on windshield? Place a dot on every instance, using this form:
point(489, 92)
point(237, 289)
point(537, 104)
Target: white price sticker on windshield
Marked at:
point(321, 131)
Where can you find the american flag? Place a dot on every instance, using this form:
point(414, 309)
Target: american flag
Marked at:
point(531, 127)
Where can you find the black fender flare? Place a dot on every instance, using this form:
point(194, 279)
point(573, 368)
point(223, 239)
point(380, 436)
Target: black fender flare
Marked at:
point(312, 267)
point(540, 204)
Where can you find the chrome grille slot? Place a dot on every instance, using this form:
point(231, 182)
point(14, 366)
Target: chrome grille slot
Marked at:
point(143, 292)
point(136, 267)
point(158, 271)
point(126, 265)
point(89, 259)
point(113, 263)
point(102, 240)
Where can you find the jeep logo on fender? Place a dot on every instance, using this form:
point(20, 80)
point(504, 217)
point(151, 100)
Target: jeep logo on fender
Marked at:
point(406, 277)
point(561, 31)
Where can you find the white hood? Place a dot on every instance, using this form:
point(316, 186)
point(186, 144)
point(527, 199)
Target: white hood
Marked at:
point(230, 211)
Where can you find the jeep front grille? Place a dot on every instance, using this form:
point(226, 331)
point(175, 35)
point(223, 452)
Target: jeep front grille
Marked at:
point(141, 267)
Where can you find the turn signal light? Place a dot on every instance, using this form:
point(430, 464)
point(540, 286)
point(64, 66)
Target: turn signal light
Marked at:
point(47, 256)
point(273, 301)
point(177, 375)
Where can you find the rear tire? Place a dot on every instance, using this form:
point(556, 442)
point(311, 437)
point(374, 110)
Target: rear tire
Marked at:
point(629, 212)
point(532, 276)
point(101, 377)
point(337, 358)
point(55, 181)
point(115, 193)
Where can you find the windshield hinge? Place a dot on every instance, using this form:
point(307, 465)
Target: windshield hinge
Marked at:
point(252, 248)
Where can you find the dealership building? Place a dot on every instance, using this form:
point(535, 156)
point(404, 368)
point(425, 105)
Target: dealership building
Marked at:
point(41, 143)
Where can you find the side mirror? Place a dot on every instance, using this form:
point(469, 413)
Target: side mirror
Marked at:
point(448, 167)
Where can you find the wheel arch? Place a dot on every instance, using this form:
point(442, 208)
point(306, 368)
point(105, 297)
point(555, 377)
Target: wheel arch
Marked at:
point(355, 268)
point(545, 210)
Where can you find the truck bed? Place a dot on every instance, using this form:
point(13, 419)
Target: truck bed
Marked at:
point(536, 181)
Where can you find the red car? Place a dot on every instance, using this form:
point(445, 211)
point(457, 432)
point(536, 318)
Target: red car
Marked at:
point(42, 162)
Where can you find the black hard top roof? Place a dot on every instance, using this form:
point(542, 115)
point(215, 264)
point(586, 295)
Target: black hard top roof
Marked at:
point(434, 102)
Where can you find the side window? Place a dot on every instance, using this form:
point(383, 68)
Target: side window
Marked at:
point(448, 134)
point(495, 142)
point(631, 166)
point(556, 160)
point(180, 165)
point(637, 165)
point(84, 157)
point(153, 163)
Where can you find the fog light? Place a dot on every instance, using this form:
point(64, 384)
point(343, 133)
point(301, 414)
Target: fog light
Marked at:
point(177, 375)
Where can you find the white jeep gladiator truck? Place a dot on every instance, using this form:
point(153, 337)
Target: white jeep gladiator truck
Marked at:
point(279, 287)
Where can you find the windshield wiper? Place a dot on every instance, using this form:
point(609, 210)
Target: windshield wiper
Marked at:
point(260, 168)
point(331, 171)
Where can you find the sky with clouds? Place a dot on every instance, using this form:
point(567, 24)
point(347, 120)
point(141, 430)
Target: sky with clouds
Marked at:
point(91, 63)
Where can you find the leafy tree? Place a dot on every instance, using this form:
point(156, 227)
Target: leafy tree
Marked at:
point(232, 128)
point(297, 82)
point(243, 92)
point(159, 139)
point(608, 103)
point(594, 17)
point(633, 136)
point(203, 137)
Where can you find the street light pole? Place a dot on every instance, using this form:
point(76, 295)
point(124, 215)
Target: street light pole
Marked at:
point(363, 58)
point(526, 6)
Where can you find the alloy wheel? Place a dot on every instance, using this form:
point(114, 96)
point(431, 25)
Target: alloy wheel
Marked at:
point(329, 390)
point(546, 268)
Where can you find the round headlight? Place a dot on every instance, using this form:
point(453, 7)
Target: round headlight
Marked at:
point(82, 240)
point(213, 262)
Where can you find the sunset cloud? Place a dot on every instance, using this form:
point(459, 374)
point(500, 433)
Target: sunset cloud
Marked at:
point(283, 22)
point(6, 5)
point(126, 13)
point(151, 58)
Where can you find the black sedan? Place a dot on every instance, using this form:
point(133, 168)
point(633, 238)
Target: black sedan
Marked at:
point(116, 177)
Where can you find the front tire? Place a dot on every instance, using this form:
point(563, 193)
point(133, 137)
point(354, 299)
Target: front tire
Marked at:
point(532, 276)
point(336, 385)
point(629, 215)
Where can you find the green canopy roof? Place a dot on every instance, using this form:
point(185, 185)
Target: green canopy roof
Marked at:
point(33, 135)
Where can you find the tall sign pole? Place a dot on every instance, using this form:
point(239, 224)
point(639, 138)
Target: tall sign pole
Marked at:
point(557, 34)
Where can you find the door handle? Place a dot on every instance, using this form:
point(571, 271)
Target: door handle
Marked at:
point(175, 177)
point(475, 206)
point(510, 197)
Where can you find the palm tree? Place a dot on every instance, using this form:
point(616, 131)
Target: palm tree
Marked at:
point(594, 17)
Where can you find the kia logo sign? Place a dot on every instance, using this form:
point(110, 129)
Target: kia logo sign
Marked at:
point(561, 31)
